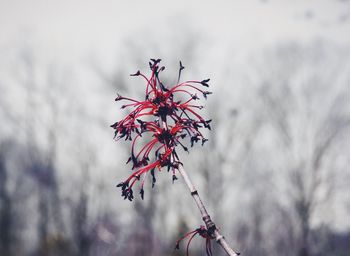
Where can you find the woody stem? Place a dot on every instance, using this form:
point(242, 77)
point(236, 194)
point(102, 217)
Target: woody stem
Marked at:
point(212, 229)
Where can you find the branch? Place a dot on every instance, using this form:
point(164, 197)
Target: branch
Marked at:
point(211, 227)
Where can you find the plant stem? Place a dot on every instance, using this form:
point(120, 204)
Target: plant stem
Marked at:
point(211, 227)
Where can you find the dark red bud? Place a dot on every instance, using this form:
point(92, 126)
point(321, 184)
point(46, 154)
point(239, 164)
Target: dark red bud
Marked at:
point(142, 192)
point(115, 125)
point(136, 74)
point(205, 82)
point(181, 67)
point(205, 93)
point(174, 178)
point(119, 97)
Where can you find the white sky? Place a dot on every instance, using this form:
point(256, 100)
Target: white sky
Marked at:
point(73, 27)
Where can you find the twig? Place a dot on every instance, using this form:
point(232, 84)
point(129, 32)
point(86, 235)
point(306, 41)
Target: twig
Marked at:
point(211, 227)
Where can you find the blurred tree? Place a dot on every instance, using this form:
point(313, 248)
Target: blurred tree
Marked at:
point(7, 238)
point(305, 97)
point(41, 162)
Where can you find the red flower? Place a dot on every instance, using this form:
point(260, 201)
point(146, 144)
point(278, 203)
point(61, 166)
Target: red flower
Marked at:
point(166, 119)
point(203, 232)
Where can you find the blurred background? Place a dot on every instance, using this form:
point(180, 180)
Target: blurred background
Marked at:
point(274, 175)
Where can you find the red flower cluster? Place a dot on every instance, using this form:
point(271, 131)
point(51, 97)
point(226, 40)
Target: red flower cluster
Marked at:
point(166, 119)
point(203, 232)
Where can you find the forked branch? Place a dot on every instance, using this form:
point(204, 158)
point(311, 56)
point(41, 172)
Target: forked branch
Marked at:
point(211, 227)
